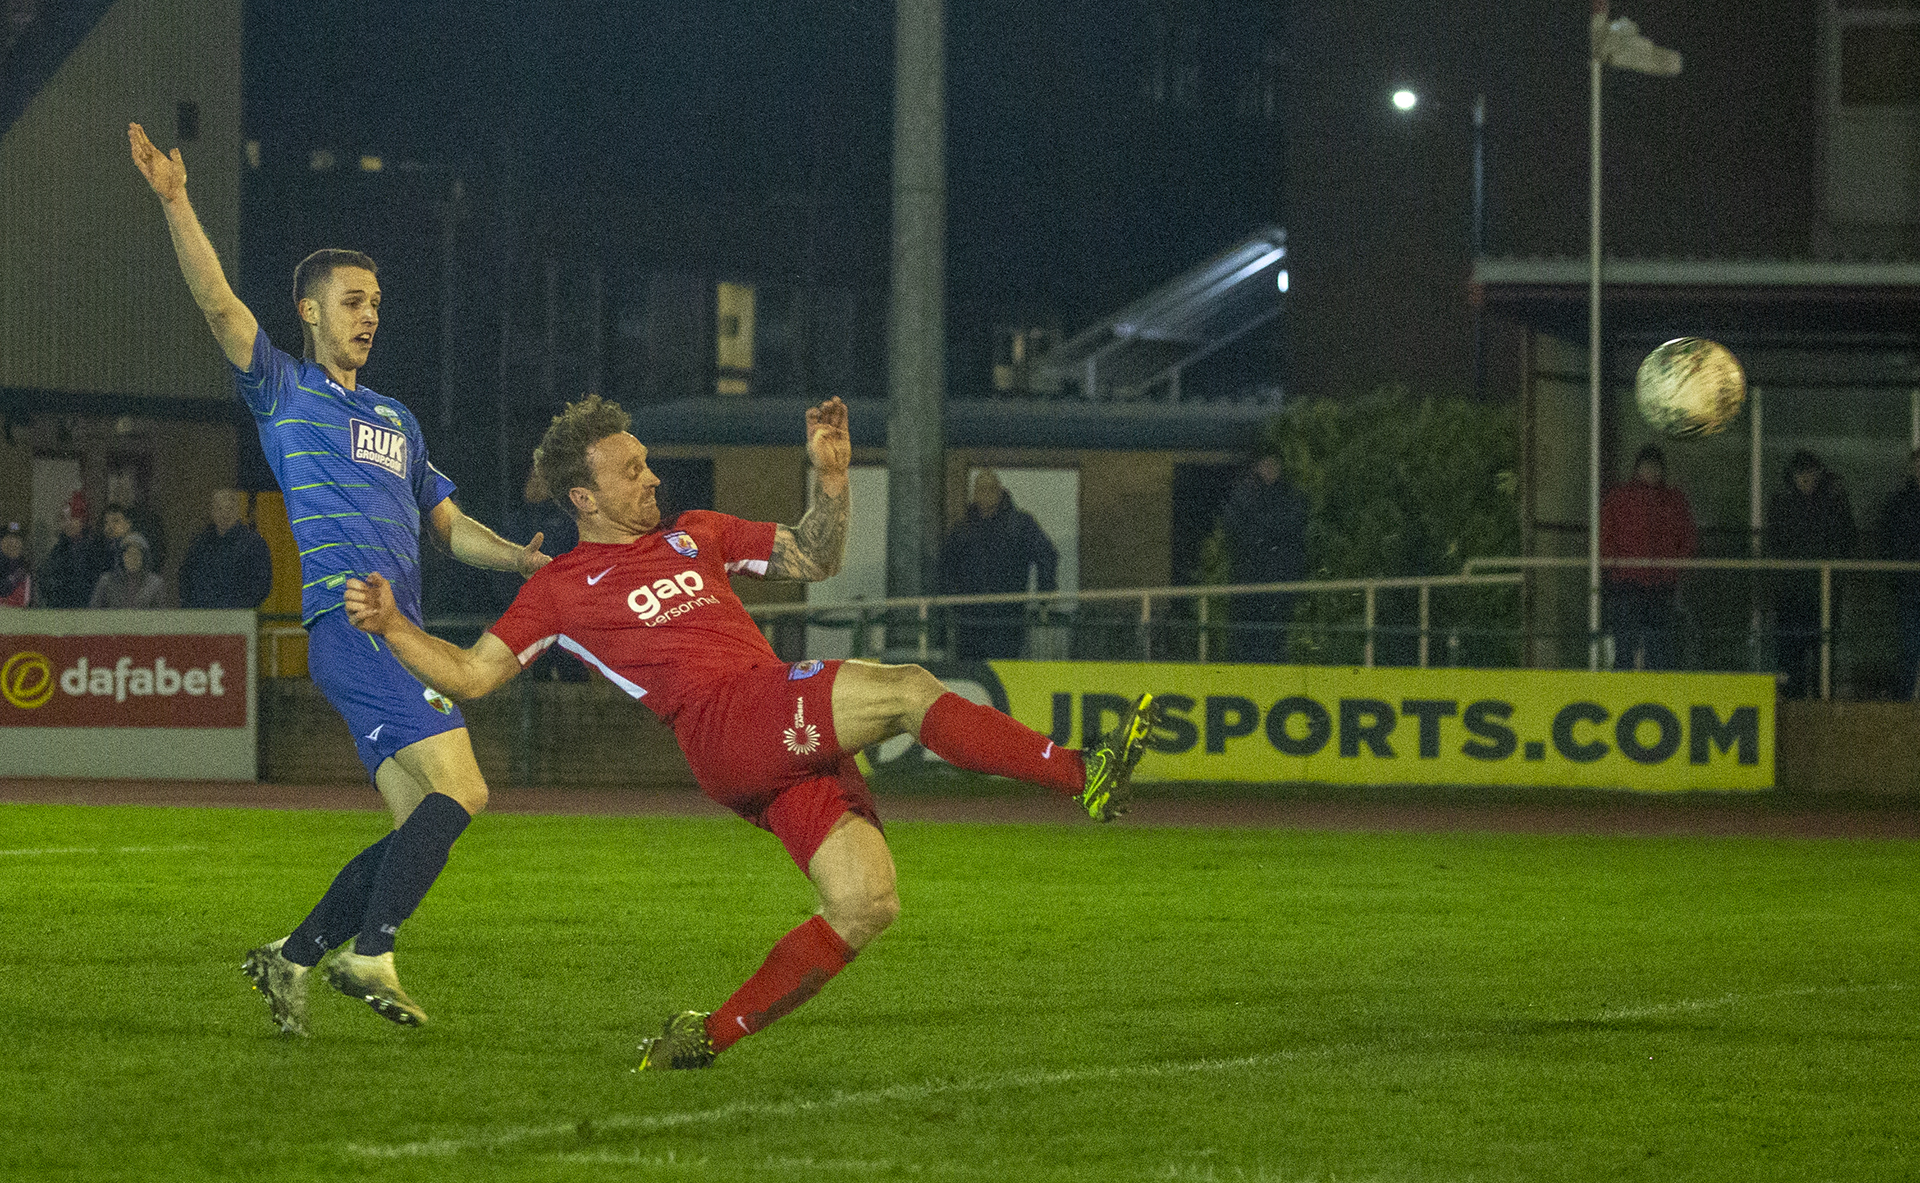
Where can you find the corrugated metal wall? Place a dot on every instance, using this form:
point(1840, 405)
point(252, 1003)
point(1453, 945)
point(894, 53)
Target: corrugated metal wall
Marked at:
point(91, 299)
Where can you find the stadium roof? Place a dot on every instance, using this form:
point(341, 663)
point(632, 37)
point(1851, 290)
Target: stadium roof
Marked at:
point(1147, 344)
point(1876, 304)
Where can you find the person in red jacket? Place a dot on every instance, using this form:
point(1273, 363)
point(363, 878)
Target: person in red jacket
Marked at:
point(1646, 518)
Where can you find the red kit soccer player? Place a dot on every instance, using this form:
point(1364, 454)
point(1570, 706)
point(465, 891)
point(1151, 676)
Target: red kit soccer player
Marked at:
point(649, 605)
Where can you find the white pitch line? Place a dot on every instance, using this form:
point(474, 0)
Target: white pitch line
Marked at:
point(648, 1123)
point(99, 850)
point(55, 850)
point(1693, 1005)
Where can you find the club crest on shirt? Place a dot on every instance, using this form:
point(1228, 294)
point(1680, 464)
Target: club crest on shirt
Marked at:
point(805, 669)
point(379, 446)
point(683, 542)
point(437, 700)
point(390, 415)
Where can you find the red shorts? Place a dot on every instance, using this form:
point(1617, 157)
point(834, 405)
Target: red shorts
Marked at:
point(762, 744)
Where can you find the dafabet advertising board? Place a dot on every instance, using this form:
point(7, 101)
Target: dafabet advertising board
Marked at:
point(127, 693)
point(1334, 725)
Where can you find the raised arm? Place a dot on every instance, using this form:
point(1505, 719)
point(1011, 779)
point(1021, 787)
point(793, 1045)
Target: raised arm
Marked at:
point(813, 548)
point(477, 546)
point(233, 325)
point(453, 671)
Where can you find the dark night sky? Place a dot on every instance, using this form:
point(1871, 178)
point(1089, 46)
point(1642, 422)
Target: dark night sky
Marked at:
point(755, 138)
point(675, 117)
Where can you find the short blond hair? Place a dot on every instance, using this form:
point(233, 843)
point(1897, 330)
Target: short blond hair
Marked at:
point(560, 462)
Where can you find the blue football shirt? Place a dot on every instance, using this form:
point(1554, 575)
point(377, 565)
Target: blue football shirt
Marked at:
point(353, 467)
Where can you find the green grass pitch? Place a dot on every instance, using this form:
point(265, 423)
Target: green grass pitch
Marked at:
point(1056, 1003)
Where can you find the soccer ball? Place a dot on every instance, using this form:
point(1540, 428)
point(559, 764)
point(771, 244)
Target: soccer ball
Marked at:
point(1690, 386)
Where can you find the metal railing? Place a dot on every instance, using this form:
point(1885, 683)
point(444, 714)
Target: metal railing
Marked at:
point(918, 612)
point(922, 616)
point(1826, 568)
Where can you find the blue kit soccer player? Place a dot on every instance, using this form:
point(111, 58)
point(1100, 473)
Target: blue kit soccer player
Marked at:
point(353, 467)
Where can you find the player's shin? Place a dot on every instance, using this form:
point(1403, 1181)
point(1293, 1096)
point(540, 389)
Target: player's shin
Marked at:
point(338, 914)
point(414, 860)
point(981, 739)
point(800, 964)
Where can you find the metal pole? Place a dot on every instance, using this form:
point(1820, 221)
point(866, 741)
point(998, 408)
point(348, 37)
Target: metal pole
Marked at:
point(1202, 606)
point(1367, 654)
point(923, 631)
point(917, 349)
point(1146, 628)
point(1593, 361)
point(1474, 294)
point(1756, 523)
point(1426, 601)
point(1826, 631)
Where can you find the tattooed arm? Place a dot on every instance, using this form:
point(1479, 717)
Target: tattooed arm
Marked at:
point(813, 548)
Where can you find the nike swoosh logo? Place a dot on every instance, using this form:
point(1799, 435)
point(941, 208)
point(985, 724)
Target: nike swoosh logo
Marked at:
point(1048, 754)
point(593, 579)
point(375, 733)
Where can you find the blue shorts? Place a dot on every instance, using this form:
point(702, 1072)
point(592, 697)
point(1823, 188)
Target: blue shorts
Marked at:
point(385, 706)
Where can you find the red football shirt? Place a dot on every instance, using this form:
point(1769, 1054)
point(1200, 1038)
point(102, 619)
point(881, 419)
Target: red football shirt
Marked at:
point(656, 615)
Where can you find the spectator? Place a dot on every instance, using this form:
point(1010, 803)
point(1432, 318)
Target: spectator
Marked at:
point(77, 561)
point(1645, 518)
point(227, 564)
point(1811, 518)
point(115, 524)
point(123, 490)
point(1900, 535)
point(998, 548)
point(16, 575)
point(130, 584)
point(1266, 526)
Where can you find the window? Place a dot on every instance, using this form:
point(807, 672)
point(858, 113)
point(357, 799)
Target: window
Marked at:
point(733, 338)
point(1016, 349)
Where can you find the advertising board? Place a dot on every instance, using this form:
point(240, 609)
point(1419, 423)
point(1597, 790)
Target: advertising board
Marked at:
point(1339, 725)
point(127, 694)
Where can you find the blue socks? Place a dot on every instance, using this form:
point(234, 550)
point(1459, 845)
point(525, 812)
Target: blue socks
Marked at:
point(337, 916)
point(416, 853)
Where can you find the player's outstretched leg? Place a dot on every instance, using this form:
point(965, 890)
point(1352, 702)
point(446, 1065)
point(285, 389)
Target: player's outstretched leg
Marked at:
point(1110, 763)
point(283, 983)
point(682, 1043)
point(853, 870)
point(981, 739)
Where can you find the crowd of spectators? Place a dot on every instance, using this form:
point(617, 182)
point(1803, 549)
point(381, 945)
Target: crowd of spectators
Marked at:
point(117, 565)
point(999, 547)
point(1810, 516)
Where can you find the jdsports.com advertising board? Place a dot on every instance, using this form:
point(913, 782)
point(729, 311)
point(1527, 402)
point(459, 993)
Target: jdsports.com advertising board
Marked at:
point(1333, 725)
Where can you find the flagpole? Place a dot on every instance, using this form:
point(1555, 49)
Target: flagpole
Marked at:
point(1593, 335)
point(1613, 43)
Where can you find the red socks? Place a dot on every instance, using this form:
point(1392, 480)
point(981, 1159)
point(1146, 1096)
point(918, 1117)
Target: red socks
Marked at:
point(801, 963)
point(984, 740)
